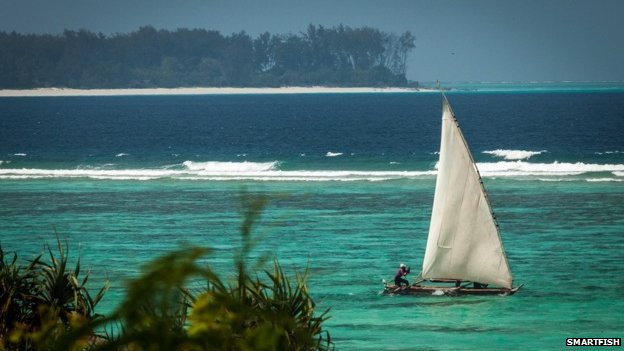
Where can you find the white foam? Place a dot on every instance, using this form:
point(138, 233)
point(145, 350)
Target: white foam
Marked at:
point(10, 176)
point(123, 178)
point(514, 154)
point(86, 173)
point(333, 154)
point(556, 179)
point(218, 171)
point(604, 180)
point(269, 171)
point(522, 168)
point(7, 162)
point(237, 167)
point(20, 154)
point(121, 155)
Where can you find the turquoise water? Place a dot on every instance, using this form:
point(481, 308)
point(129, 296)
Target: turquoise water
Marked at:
point(560, 210)
point(564, 243)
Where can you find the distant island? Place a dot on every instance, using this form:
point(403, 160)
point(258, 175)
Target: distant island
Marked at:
point(339, 56)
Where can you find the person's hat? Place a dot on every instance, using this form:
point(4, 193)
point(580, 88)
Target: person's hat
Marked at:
point(402, 265)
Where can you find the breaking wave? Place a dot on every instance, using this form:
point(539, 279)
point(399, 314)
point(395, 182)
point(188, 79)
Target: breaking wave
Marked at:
point(522, 168)
point(333, 154)
point(270, 171)
point(227, 167)
point(514, 154)
point(216, 171)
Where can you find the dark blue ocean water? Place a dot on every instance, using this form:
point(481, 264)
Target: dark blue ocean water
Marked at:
point(351, 177)
point(370, 130)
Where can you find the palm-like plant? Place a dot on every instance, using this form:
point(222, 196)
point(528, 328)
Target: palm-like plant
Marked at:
point(253, 314)
point(243, 312)
point(266, 312)
point(43, 300)
point(290, 308)
point(153, 315)
point(17, 292)
point(61, 290)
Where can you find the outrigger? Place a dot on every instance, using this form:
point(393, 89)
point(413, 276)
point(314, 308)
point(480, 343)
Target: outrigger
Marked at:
point(451, 288)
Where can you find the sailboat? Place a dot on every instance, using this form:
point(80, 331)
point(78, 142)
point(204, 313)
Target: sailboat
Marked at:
point(464, 252)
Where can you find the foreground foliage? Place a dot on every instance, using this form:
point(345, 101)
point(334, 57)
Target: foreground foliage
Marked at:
point(44, 299)
point(46, 307)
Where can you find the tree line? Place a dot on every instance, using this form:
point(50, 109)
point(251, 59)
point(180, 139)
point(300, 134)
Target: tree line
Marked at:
point(336, 56)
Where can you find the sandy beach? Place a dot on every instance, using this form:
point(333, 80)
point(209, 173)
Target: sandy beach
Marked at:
point(201, 91)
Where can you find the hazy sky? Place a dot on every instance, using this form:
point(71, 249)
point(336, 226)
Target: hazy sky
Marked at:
point(469, 40)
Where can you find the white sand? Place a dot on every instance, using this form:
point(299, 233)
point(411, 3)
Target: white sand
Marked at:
point(200, 91)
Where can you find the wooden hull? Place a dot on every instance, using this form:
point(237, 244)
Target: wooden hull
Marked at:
point(446, 290)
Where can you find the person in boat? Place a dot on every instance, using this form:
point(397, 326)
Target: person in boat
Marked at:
point(402, 272)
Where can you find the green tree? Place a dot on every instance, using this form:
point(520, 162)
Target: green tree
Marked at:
point(238, 65)
point(148, 57)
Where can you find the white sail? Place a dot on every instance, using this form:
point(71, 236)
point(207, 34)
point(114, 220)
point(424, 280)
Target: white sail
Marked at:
point(464, 242)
